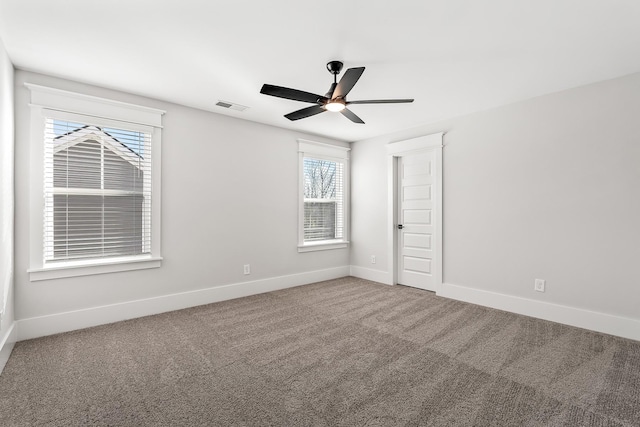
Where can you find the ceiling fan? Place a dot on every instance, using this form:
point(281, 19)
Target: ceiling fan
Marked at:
point(334, 100)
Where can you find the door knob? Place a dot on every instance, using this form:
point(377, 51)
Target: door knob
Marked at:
point(400, 226)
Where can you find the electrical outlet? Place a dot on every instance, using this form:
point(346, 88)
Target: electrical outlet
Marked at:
point(538, 285)
point(373, 259)
point(247, 269)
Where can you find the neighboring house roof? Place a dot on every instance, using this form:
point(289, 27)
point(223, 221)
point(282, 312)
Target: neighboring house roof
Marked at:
point(94, 133)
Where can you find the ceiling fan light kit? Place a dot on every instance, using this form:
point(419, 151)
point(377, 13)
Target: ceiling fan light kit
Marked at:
point(335, 106)
point(335, 100)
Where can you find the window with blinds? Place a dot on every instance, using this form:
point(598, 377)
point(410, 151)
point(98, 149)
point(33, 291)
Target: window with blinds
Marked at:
point(97, 190)
point(323, 199)
point(323, 196)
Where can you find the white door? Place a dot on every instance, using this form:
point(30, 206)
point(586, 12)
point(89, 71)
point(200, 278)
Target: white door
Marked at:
point(415, 220)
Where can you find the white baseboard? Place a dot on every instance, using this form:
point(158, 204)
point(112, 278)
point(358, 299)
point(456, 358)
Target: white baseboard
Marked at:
point(7, 341)
point(370, 274)
point(600, 322)
point(35, 327)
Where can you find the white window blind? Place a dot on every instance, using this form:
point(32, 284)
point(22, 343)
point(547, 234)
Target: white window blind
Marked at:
point(323, 199)
point(97, 190)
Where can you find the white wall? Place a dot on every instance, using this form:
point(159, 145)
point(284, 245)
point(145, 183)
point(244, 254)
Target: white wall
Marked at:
point(6, 206)
point(229, 197)
point(546, 188)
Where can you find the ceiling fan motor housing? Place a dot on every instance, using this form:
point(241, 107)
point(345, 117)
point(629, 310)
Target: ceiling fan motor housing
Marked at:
point(329, 94)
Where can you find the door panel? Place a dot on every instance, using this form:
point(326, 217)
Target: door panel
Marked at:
point(416, 240)
point(417, 193)
point(417, 216)
point(415, 205)
point(417, 265)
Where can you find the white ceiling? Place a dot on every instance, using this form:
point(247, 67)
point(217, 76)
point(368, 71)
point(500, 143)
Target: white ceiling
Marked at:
point(453, 56)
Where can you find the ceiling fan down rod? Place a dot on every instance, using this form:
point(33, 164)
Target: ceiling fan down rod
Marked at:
point(334, 67)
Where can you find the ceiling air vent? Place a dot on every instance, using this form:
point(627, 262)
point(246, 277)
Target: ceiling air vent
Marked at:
point(231, 105)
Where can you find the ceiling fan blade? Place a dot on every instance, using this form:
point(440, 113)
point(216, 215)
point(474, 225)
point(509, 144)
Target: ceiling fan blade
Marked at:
point(306, 112)
point(381, 101)
point(351, 116)
point(347, 82)
point(294, 94)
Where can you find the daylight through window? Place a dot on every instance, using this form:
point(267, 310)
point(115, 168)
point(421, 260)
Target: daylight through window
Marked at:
point(323, 200)
point(323, 196)
point(97, 190)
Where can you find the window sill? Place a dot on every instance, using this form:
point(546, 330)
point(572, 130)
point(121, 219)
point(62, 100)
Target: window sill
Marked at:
point(74, 269)
point(323, 246)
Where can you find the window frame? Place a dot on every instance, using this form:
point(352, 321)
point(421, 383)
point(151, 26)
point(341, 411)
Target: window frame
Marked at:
point(47, 102)
point(334, 153)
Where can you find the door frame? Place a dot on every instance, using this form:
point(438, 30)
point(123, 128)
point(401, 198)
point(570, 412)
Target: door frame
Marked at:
point(398, 149)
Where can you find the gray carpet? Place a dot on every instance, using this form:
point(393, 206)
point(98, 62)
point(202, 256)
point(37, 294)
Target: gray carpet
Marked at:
point(345, 352)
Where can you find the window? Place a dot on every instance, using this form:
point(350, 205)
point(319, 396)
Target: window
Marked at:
point(97, 191)
point(323, 199)
point(97, 208)
point(323, 196)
